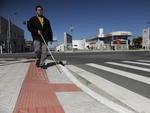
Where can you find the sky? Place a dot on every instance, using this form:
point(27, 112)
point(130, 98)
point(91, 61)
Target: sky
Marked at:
point(86, 16)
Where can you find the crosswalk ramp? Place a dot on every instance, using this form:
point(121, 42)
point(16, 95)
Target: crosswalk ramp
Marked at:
point(124, 80)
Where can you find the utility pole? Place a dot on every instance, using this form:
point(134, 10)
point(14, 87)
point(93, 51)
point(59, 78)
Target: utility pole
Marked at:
point(9, 47)
point(71, 32)
point(8, 35)
point(149, 35)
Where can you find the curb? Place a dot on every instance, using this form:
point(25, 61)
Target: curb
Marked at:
point(96, 96)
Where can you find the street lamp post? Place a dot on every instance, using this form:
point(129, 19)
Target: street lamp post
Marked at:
point(9, 47)
point(9, 35)
point(71, 31)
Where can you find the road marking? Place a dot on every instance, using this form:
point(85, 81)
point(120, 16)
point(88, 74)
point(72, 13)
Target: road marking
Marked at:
point(131, 62)
point(129, 66)
point(120, 72)
point(132, 99)
point(110, 103)
point(144, 60)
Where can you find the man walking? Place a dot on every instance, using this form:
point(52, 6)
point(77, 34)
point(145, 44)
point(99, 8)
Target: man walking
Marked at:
point(40, 25)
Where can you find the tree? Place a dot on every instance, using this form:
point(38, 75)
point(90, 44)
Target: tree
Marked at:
point(137, 42)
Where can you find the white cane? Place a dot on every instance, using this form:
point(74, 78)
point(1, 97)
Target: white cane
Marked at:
point(51, 54)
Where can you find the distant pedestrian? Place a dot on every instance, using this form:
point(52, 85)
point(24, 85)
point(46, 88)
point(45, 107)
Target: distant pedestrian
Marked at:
point(40, 25)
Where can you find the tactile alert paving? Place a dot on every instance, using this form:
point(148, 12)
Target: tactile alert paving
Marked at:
point(37, 95)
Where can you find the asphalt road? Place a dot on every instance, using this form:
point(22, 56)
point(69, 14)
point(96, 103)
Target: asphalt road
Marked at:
point(84, 57)
point(100, 58)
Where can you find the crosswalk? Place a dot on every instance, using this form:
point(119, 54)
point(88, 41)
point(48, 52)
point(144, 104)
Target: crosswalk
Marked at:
point(122, 73)
point(135, 100)
point(146, 64)
point(129, 66)
point(144, 60)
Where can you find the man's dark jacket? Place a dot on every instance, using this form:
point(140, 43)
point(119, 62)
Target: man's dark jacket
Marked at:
point(34, 25)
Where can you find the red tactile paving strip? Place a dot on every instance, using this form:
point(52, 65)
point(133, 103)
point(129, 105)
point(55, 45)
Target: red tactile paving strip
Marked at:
point(64, 87)
point(37, 95)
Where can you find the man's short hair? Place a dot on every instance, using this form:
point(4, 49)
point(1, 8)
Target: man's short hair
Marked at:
point(38, 6)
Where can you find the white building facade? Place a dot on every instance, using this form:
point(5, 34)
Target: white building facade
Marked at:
point(60, 48)
point(79, 44)
point(146, 38)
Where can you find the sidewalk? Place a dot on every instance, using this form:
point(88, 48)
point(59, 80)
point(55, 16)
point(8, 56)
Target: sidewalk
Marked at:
point(24, 88)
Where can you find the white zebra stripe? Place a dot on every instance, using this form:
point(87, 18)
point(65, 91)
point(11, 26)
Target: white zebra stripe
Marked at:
point(131, 62)
point(132, 99)
point(148, 61)
point(122, 73)
point(129, 66)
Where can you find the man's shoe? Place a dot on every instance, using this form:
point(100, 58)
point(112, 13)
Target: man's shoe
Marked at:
point(43, 66)
point(38, 63)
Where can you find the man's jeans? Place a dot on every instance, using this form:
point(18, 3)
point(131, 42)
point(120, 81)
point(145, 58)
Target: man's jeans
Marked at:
point(40, 51)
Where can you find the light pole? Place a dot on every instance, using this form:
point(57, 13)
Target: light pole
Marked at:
point(9, 47)
point(71, 31)
point(112, 43)
point(8, 35)
point(148, 35)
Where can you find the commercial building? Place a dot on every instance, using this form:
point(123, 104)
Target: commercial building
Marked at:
point(79, 44)
point(11, 37)
point(118, 40)
point(67, 41)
